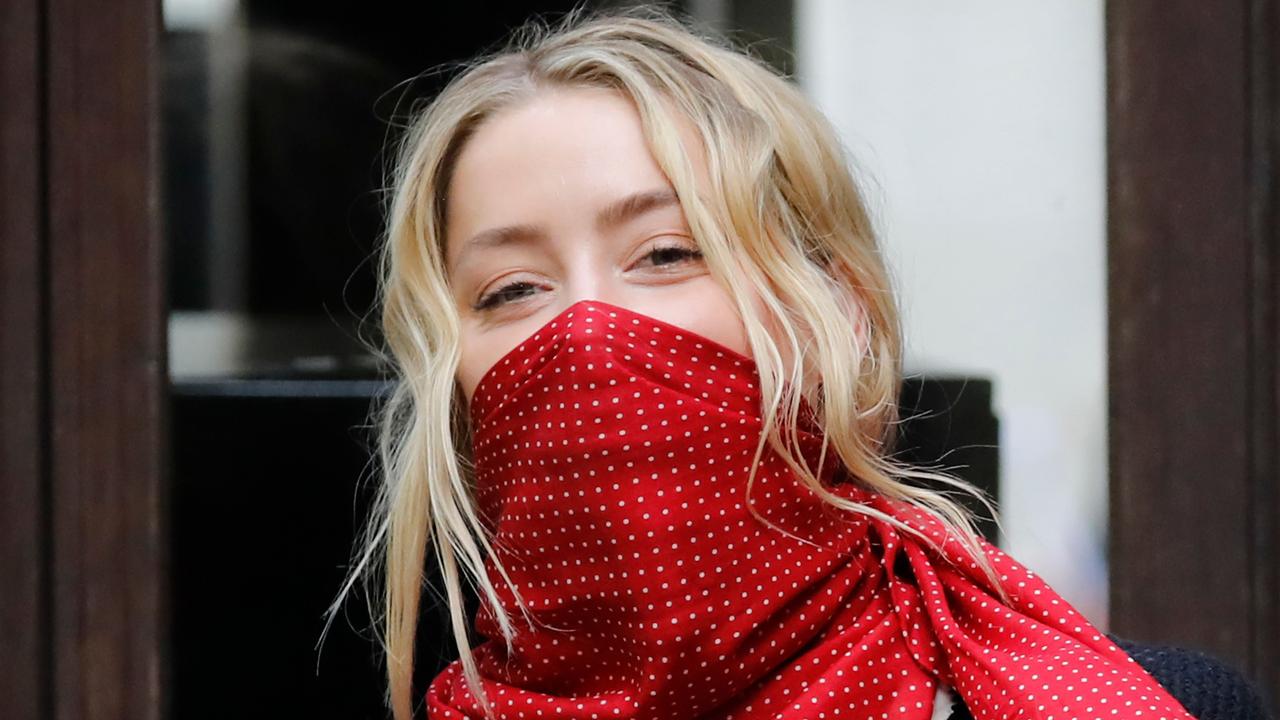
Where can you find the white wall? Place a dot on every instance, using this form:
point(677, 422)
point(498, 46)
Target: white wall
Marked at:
point(980, 124)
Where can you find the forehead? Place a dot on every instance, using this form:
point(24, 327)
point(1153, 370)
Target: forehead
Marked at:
point(561, 152)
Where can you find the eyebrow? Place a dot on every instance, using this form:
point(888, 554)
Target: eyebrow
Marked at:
point(612, 215)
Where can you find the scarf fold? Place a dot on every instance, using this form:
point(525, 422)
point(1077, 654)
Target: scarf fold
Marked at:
point(612, 453)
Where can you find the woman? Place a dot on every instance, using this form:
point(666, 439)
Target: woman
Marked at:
point(648, 358)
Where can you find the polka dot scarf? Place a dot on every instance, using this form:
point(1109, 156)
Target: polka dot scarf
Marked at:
point(612, 452)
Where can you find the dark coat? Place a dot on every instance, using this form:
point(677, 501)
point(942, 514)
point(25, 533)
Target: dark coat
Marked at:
point(1207, 687)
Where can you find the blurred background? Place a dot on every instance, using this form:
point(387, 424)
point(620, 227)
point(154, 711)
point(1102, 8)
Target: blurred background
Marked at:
point(1075, 198)
point(979, 129)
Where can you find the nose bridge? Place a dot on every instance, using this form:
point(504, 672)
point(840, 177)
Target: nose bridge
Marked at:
point(588, 272)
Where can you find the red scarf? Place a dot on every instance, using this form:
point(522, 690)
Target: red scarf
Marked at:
point(612, 451)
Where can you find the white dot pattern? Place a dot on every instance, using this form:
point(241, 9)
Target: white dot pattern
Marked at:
point(612, 452)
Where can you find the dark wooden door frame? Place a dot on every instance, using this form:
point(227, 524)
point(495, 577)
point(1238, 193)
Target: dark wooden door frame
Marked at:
point(1193, 290)
point(83, 372)
point(23, 542)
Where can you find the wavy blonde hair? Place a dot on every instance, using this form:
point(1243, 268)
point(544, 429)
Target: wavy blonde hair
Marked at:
point(783, 221)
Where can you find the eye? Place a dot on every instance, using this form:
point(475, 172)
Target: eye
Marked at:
point(672, 253)
point(659, 256)
point(504, 294)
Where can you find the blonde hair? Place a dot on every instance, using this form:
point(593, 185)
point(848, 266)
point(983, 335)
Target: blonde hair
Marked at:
point(783, 220)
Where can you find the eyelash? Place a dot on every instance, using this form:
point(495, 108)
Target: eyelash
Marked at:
point(489, 300)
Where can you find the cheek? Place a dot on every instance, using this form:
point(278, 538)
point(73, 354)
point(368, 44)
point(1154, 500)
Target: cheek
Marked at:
point(700, 306)
point(477, 353)
point(710, 311)
point(468, 373)
point(725, 325)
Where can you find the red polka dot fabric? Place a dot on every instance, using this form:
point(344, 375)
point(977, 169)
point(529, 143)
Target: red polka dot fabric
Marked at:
point(612, 454)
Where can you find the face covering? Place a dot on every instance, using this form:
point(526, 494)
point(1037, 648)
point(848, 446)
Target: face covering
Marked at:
point(612, 452)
